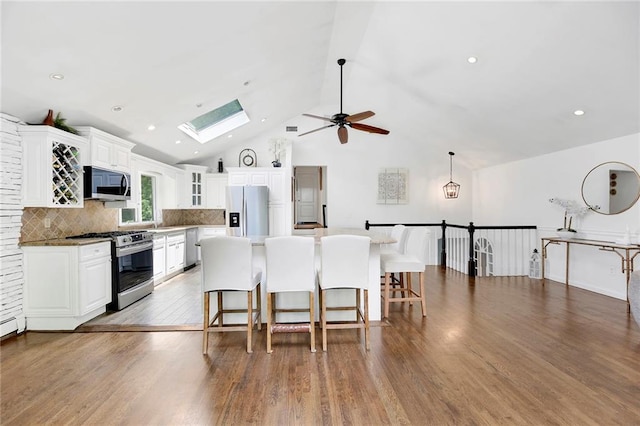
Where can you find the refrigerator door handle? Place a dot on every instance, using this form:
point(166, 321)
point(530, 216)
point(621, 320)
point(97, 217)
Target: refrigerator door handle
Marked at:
point(243, 219)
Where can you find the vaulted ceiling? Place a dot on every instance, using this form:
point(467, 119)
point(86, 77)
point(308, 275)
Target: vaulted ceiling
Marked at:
point(165, 63)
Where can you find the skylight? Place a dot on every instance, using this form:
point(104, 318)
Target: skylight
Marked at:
point(216, 122)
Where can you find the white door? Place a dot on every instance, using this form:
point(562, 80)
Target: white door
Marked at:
point(307, 190)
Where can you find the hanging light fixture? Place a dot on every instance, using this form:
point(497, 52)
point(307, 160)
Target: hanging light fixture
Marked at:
point(451, 189)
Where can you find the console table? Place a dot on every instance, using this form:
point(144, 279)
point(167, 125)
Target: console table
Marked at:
point(627, 253)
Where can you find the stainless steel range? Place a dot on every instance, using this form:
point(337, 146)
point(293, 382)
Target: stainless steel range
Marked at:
point(132, 265)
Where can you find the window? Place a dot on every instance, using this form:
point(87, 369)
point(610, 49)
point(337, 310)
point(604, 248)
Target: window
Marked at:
point(216, 122)
point(147, 203)
point(147, 198)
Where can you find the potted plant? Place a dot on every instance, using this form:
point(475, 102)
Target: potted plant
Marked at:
point(571, 209)
point(277, 146)
point(58, 122)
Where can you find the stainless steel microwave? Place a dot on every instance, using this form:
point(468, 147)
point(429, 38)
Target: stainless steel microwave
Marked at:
point(102, 184)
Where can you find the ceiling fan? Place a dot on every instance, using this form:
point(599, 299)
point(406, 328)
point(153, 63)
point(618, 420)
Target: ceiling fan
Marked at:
point(342, 120)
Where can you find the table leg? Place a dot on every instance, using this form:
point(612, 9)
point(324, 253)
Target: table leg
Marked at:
point(628, 268)
point(566, 272)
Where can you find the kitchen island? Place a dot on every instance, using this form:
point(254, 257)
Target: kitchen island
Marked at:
point(299, 299)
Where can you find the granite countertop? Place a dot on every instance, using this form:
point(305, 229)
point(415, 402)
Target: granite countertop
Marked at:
point(166, 229)
point(376, 237)
point(65, 242)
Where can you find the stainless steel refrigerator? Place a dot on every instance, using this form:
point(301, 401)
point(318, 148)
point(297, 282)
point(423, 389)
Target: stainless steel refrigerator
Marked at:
point(248, 210)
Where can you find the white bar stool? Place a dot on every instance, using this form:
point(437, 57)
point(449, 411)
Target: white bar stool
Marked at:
point(290, 267)
point(344, 261)
point(226, 267)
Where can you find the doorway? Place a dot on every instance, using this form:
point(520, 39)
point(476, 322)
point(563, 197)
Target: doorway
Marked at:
point(309, 207)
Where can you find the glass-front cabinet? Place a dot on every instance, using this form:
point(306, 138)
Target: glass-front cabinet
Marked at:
point(196, 189)
point(191, 193)
point(52, 167)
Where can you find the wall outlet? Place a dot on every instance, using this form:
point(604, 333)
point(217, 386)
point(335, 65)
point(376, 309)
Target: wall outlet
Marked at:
point(47, 222)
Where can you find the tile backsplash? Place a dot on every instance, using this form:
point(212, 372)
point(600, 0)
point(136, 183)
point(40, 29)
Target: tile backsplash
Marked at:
point(176, 217)
point(94, 217)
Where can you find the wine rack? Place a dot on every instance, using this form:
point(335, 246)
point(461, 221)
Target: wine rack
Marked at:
point(66, 174)
point(52, 170)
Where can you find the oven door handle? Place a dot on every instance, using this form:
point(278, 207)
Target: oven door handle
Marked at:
point(125, 251)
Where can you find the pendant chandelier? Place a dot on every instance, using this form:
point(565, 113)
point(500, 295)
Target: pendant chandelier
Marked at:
point(451, 189)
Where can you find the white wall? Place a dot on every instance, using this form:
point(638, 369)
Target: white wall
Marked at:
point(12, 317)
point(352, 175)
point(517, 193)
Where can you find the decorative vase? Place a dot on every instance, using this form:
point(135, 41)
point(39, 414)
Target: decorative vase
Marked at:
point(49, 119)
point(567, 235)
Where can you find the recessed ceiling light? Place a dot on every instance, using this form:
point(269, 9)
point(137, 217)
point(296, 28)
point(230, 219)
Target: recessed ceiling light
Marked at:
point(116, 108)
point(230, 136)
point(195, 152)
point(178, 141)
point(264, 119)
point(56, 76)
point(578, 112)
point(151, 127)
point(472, 59)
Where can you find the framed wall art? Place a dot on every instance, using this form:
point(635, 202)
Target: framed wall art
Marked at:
point(393, 186)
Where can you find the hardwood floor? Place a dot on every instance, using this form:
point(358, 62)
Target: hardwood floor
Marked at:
point(502, 351)
point(175, 304)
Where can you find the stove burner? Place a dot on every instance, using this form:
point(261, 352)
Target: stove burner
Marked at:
point(120, 238)
point(106, 234)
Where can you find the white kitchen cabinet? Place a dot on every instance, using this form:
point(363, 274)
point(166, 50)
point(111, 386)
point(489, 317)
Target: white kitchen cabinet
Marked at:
point(191, 187)
point(159, 258)
point(175, 253)
point(277, 186)
point(274, 178)
point(215, 185)
point(255, 176)
point(52, 162)
point(107, 151)
point(66, 286)
point(277, 220)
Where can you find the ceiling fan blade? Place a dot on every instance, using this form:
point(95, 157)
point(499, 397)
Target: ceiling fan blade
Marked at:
point(370, 129)
point(315, 130)
point(317, 116)
point(360, 116)
point(343, 135)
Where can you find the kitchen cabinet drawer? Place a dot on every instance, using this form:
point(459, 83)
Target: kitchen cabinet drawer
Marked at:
point(94, 251)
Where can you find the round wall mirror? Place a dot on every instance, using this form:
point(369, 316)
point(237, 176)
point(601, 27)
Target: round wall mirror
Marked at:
point(611, 188)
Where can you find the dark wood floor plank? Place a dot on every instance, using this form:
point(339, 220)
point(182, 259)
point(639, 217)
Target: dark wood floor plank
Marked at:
point(499, 351)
